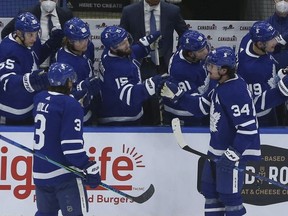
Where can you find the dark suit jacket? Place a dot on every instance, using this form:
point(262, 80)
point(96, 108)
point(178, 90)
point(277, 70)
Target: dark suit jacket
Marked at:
point(63, 14)
point(170, 19)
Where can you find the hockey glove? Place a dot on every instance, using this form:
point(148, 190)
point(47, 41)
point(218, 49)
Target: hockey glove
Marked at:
point(82, 96)
point(91, 171)
point(282, 72)
point(154, 84)
point(171, 91)
point(283, 85)
point(280, 40)
point(35, 81)
point(55, 40)
point(91, 84)
point(148, 41)
point(227, 162)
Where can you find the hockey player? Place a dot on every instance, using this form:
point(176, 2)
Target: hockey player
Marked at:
point(257, 66)
point(77, 52)
point(188, 72)
point(279, 20)
point(122, 90)
point(233, 130)
point(58, 134)
point(20, 78)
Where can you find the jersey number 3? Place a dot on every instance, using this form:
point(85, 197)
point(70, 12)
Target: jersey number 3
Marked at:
point(42, 126)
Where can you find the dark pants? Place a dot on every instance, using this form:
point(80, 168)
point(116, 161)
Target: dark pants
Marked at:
point(152, 106)
point(70, 197)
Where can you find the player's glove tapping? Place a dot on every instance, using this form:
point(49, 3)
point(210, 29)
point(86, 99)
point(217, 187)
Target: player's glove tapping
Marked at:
point(35, 81)
point(283, 85)
point(155, 83)
point(149, 40)
point(171, 91)
point(91, 84)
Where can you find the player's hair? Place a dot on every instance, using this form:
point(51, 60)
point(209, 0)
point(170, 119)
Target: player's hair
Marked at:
point(65, 89)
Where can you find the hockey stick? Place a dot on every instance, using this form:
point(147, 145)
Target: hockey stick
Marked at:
point(157, 60)
point(176, 127)
point(138, 199)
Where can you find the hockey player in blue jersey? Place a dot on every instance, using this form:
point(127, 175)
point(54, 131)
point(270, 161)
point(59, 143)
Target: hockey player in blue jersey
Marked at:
point(257, 66)
point(233, 131)
point(76, 52)
point(122, 89)
point(279, 20)
point(187, 69)
point(58, 134)
point(21, 53)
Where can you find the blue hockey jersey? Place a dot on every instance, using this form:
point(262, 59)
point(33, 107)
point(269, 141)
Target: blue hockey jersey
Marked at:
point(233, 120)
point(281, 52)
point(190, 77)
point(15, 101)
point(260, 74)
point(122, 91)
point(58, 135)
point(83, 66)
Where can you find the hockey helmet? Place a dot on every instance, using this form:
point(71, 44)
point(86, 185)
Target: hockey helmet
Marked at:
point(58, 74)
point(192, 40)
point(76, 29)
point(222, 56)
point(27, 22)
point(262, 31)
point(112, 36)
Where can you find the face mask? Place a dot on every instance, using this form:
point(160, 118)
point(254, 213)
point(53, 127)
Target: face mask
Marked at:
point(48, 6)
point(282, 7)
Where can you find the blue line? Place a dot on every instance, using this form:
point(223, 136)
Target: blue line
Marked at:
point(140, 129)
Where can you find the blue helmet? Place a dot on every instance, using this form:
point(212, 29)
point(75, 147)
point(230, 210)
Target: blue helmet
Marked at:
point(112, 36)
point(222, 56)
point(76, 29)
point(27, 22)
point(262, 31)
point(58, 74)
point(192, 40)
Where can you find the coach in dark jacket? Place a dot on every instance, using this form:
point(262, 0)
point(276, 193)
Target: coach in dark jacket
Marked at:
point(136, 20)
point(133, 20)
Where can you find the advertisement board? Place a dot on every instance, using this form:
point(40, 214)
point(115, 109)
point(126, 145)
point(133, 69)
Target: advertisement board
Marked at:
point(133, 158)
point(97, 5)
